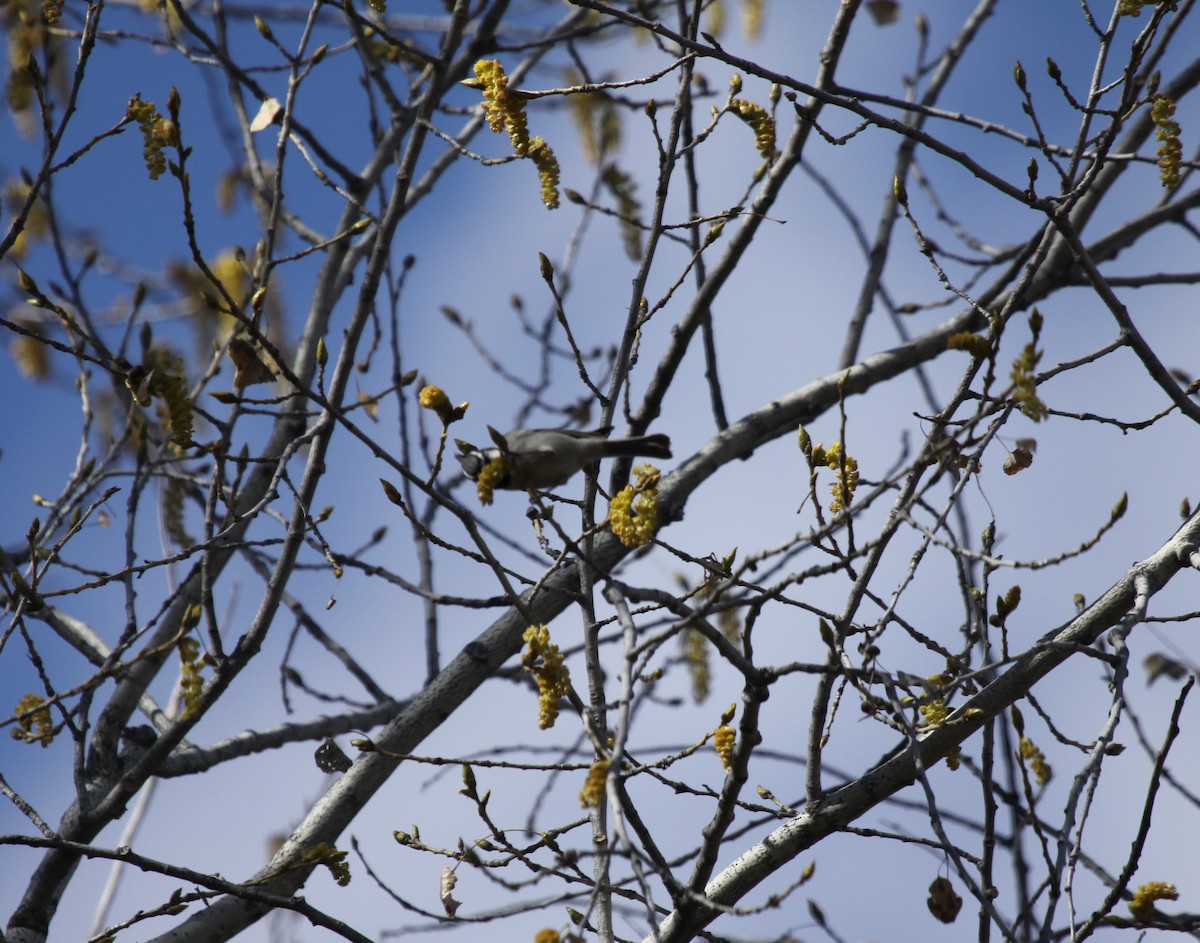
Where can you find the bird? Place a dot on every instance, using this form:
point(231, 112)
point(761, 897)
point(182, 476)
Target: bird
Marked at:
point(546, 458)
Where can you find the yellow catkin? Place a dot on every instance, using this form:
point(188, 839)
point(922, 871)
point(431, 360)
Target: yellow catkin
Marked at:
point(435, 399)
point(489, 476)
point(1142, 905)
point(503, 110)
point(548, 172)
point(845, 469)
point(695, 657)
point(633, 514)
point(34, 724)
point(592, 794)
point(724, 738)
point(760, 122)
point(191, 680)
point(1170, 150)
point(544, 661)
point(1037, 761)
point(155, 134)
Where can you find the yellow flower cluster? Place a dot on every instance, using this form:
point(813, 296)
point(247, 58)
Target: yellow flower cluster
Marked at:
point(633, 514)
point(546, 935)
point(1022, 374)
point(162, 377)
point(191, 680)
point(33, 721)
point(1170, 151)
point(385, 51)
point(1134, 7)
point(31, 355)
point(845, 477)
point(230, 270)
point(1142, 905)
point(724, 738)
point(1037, 761)
point(27, 36)
point(714, 13)
point(170, 386)
point(552, 675)
point(935, 712)
point(326, 854)
point(490, 476)
point(52, 11)
point(629, 208)
point(760, 122)
point(592, 794)
point(173, 512)
point(974, 344)
point(695, 657)
point(14, 195)
point(435, 398)
point(505, 111)
point(157, 133)
point(547, 167)
point(597, 119)
point(752, 18)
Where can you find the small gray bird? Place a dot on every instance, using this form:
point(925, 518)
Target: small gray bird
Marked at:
point(545, 458)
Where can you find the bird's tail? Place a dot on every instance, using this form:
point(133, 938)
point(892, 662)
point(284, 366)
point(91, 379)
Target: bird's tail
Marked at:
point(647, 446)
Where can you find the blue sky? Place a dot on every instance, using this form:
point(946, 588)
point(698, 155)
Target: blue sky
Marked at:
point(779, 325)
